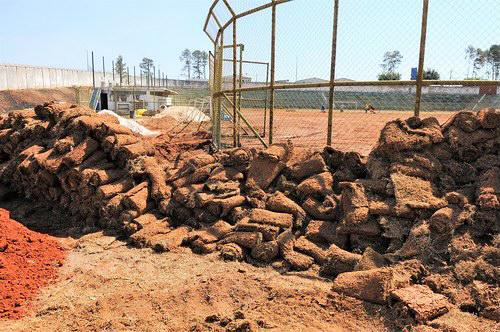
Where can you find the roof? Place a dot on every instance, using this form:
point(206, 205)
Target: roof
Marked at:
point(320, 80)
point(312, 80)
point(163, 93)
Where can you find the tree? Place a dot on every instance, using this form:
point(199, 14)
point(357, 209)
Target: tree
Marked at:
point(197, 63)
point(477, 58)
point(480, 59)
point(493, 58)
point(187, 58)
point(120, 68)
point(431, 74)
point(204, 63)
point(147, 66)
point(390, 63)
point(470, 54)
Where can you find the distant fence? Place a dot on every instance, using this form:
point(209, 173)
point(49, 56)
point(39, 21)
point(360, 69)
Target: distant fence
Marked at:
point(381, 98)
point(14, 77)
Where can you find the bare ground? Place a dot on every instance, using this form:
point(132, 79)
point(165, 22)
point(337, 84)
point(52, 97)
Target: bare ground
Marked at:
point(26, 98)
point(105, 285)
point(352, 130)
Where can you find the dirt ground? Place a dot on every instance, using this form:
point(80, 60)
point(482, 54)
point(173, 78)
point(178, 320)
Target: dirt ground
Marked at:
point(105, 285)
point(19, 99)
point(352, 130)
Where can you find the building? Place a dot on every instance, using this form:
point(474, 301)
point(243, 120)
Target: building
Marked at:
point(244, 79)
point(124, 99)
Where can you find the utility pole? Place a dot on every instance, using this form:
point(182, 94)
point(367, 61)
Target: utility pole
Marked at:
point(93, 72)
point(103, 69)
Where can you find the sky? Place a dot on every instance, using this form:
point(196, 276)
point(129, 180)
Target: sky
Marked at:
point(59, 33)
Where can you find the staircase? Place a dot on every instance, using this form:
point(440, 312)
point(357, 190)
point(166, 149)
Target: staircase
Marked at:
point(94, 98)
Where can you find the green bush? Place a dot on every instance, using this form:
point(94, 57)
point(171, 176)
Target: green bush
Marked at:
point(389, 76)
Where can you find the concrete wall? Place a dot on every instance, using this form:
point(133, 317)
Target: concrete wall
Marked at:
point(437, 89)
point(14, 77)
point(433, 89)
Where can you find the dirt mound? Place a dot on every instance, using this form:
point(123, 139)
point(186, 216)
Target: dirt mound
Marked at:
point(19, 99)
point(28, 261)
point(419, 216)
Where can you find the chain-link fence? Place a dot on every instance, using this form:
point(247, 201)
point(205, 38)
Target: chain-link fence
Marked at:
point(335, 71)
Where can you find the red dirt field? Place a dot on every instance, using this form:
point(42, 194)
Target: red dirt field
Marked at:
point(19, 99)
point(28, 261)
point(352, 130)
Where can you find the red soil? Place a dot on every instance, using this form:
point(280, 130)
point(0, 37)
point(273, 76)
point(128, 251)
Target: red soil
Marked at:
point(28, 261)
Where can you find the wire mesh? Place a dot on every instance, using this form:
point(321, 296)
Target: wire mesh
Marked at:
point(376, 68)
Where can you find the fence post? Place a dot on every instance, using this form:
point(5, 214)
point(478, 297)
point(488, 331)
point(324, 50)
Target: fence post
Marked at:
point(332, 72)
point(235, 114)
point(420, 77)
point(273, 67)
point(265, 102)
point(217, 109)
point(240, 84)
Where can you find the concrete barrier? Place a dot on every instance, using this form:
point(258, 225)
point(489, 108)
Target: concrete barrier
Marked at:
point(14, 77)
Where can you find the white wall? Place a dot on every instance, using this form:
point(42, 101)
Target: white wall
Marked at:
point(14, 77)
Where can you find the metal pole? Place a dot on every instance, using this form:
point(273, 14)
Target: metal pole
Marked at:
point(93, 71)
point(219, 88)
point(420, 78)
point(265, 101)
point(235, 115)
point(239, 93)
point(332, 72)
point(213, 89)
point(135, 83)
point(103, 69)
point(154, 76)
point(133, 94)
point(113, 69)
point(273, 67)
point(128, 76)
